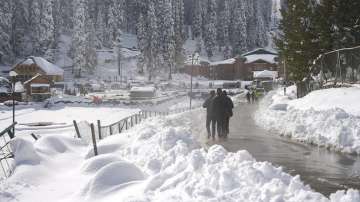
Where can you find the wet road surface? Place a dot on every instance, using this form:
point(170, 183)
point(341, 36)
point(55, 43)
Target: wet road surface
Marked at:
point(325, 171)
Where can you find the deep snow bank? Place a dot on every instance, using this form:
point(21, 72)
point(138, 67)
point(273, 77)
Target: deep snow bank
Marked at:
point(328, 117)
point(159, 160)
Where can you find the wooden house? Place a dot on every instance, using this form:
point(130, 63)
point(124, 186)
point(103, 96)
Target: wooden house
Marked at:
point(38, 88)
point(259, 60)
point(201, 69)
point(32, 66)
point(238, 68)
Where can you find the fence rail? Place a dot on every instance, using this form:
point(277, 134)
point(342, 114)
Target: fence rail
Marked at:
point(5, 150)
point(338, 68)
point(119, 126)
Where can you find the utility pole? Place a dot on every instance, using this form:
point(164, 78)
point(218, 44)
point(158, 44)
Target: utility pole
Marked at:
point(285, 77)
point(194, 60)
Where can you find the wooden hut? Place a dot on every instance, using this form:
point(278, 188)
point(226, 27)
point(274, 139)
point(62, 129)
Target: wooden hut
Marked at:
point(38, 88)
point(33, 66)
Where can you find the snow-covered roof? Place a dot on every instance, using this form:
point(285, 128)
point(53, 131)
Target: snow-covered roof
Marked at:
point(259, 51)
point(269, 58)
point(46, 66)
point(223, 62)
point(266, 74)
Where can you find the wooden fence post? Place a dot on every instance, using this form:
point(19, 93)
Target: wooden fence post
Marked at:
point(126, 123)
point(93, 139)
point(99, 129)
point(77, 129)
point(34, 136)
point(110, 128)
point(131, 121)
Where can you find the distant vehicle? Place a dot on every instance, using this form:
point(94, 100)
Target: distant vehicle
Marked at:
point(142, 92)
point(260, 92)
point(229, 85)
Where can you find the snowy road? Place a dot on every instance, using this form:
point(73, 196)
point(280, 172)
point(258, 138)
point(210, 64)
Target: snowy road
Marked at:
point(323, 170)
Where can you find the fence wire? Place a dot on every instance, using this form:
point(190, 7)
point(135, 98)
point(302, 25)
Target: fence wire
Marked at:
point(338, 67)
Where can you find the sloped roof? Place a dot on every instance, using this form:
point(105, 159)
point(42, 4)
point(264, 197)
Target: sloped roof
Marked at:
point(266, 74)
point(46, 66)
point(269, 58)
point(259, 51)
point(223, 62)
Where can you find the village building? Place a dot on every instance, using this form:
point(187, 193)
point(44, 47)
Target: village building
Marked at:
point(238, 68)
point(38, 77)
point(38, 88)
point(259, 60)
point(33, 66)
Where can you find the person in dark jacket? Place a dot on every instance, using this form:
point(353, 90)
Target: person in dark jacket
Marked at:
point(219, 112)
point(210, 118)
point(229, 105)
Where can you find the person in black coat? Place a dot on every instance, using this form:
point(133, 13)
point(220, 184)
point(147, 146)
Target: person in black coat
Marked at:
point(229, 105)
point(219, 106)
point(210, 118)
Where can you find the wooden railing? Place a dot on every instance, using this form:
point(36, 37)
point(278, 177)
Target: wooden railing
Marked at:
point(120, 126)
point(5, 150)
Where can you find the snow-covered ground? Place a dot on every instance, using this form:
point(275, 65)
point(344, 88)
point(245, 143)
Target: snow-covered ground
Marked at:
point(159, 160)
point(59, 118)
point(329, 118)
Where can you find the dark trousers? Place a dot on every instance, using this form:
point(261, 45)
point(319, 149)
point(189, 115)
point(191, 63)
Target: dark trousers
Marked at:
point(221, 126)
point(227, 120)
point(210, 121)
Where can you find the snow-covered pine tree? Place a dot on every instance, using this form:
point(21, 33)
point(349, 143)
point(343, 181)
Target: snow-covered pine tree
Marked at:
point(46, 27)
point(197, 20)
point(178, 13)
point(79, 37)
point(151, 50)
point(167, 35)
point(90, 46)
point(239, 28)
point(261, 28)
point(19, 36)
point(141, 36)
point(115, 19)
point(100, 25)
point(227, 51)
point(223, 23)
point(210, 28)
point(34, 28)
point(6, 52)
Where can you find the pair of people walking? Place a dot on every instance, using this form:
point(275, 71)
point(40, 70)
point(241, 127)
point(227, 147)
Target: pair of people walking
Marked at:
point(219, 110)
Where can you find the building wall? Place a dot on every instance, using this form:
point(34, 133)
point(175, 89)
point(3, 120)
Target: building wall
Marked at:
point(26, 72)
point(237, 71)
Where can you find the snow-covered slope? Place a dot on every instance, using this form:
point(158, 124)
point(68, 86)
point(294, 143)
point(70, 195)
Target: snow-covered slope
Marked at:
point(159, 160)
point(328, 118)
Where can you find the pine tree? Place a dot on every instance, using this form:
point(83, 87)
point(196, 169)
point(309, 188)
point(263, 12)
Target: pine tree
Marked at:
point(210, 28)
point(239, 29)
point(178, 12)
point(46, 26)
point(197, 20)
point(141, 36)
point(19, 27)
point(90, 49)
point(297, 43)
point(6, 52)
point(79, 37)
point(167, 35)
